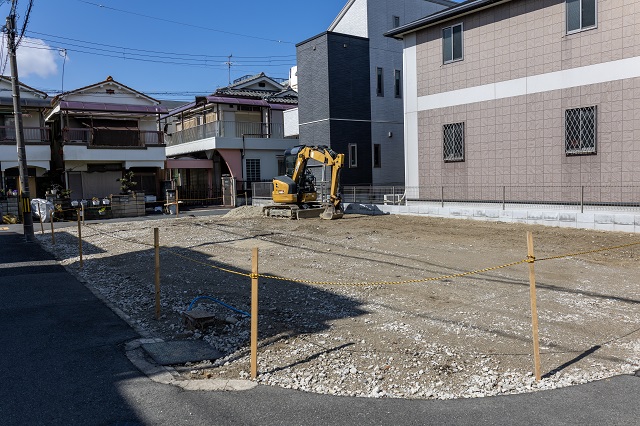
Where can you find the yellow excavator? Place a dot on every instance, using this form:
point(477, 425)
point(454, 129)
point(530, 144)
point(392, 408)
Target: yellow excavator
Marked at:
point(294, 195)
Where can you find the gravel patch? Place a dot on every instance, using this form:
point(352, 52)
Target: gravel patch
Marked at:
point(324, 328)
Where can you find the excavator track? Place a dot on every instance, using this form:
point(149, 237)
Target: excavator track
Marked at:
point(293, 211)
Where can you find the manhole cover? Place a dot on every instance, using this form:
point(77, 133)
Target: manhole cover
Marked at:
point(180, 352)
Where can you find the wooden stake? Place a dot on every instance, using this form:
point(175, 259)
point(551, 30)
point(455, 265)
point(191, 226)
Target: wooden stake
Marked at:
point(177, 205)
point(254, 313)
point(80, 239)
point(156, 243)
point(82, 205)
point(534, 309)
point(53, 236)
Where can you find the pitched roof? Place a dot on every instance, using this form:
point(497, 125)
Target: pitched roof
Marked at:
point(31, 89)
point(460, 9)
point(108, 80)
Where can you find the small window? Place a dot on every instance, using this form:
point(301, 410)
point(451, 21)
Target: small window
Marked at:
point(397, 83)
point(377, 163)
point(581, 15)
point(453, 142)
point(353, 155)
point(253, 169)
point(379, 82)
point(452, 44)
point(396, 21)
point(281, 166)
point(580, 131)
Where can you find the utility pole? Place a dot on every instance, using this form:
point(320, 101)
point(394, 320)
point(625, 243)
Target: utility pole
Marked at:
point(228, 64)
point(25, 196)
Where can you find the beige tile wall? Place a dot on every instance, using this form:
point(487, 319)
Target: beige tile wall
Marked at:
point(519, 141)
point(523, 38)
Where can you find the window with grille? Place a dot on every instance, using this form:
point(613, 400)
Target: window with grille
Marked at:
point(379, 82)
point(452, 44)
point(453, 142)
point(253, 169)
point(581, 15)
point(580, 130)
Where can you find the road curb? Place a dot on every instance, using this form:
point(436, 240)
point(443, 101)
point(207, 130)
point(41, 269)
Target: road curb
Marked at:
point(169, 376)
point(159, 373)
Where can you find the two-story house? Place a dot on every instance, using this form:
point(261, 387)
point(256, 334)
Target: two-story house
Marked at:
point(103, 131)
point(535, 99)
point(36, 137)
point(237, 131)
point(350, 88)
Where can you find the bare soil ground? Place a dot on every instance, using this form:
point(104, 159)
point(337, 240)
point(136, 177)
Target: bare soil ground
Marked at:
point(354, 310)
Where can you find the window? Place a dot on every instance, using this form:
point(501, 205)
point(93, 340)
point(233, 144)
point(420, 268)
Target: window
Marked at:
point(452, 44)
point(376, 156)
point(379, 82)
point(580, 131)
point(253, 169)
point(453, 142)
point(281, 166)
point(581, 15)
point(397, 83)
point(353, 155)
point(396, 21)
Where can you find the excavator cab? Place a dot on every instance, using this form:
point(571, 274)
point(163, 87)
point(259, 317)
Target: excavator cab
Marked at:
point(294, 193)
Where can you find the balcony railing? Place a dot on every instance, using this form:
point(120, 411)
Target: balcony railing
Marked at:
point(227, 129)
point(112, 137)
point(31, 134)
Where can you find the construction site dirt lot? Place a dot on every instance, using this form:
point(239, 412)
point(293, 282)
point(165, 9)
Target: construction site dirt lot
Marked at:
point(374, 306)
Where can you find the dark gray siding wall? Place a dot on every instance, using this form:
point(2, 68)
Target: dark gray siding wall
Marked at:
point(334, 98)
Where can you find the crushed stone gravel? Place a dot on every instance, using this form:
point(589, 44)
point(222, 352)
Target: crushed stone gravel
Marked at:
point(455, 337)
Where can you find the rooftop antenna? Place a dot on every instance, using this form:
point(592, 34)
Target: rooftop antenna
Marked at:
point(229, 63)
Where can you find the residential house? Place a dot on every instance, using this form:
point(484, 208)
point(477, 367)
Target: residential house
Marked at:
point(536, 100)
point(237, 131)
point(36, 138)
point(103, 131)
point(350, 88)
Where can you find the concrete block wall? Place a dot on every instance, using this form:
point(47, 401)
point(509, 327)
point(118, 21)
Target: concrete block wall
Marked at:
point(610, 220)
point(128, 205)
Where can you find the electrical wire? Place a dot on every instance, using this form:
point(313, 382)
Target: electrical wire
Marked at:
point(166, 61)
point(128, 48)
point(150, 58)
point(26, 22)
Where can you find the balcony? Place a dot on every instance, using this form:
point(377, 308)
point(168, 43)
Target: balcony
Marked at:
point(32, 135)
point(112, 137)
point(226, 129)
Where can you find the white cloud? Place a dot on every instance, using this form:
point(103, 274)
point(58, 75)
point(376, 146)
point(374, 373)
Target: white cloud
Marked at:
point(36, 57)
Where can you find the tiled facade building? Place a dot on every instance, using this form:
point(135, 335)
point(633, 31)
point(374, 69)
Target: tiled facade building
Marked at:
point(539, 96)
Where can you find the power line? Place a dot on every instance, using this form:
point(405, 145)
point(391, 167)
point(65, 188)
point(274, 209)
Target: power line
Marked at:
point(147, 58)
point(26, 22)
point(128, 48)
point(183, 23)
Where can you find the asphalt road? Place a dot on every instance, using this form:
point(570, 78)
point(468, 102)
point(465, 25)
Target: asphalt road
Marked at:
point(63, 362)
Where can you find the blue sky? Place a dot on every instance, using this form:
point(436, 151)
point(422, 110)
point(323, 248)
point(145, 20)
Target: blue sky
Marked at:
point(167, 49)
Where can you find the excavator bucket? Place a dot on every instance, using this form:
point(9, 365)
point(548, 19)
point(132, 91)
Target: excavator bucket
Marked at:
point(331, 212)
